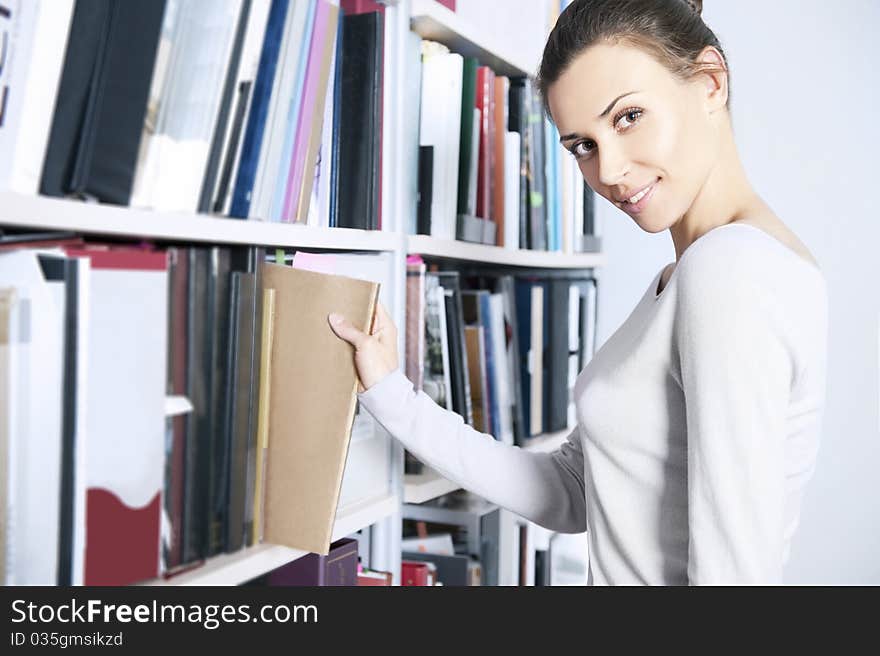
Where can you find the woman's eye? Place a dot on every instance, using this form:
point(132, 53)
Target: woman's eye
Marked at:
point(628, 118)
point(582, 149)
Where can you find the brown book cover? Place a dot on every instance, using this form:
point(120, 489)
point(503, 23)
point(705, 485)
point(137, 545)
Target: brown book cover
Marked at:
point(476, 369)
point(314, 392)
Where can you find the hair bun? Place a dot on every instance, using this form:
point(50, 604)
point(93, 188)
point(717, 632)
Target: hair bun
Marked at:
point(696, 5)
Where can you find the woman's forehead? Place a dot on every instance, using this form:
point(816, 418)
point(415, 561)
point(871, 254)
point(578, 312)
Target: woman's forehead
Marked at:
point(600, 74)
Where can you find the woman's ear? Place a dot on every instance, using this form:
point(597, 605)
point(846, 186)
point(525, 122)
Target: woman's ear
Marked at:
point(713, 78)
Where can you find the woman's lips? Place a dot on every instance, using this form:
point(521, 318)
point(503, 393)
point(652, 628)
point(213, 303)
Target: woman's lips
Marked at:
point(643, 201)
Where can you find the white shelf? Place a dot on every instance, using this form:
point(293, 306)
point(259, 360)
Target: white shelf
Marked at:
point(43, 213)
point(467, 252)
point(419, 488)
point(428, 485)
point(243, 565)
point(431, 20)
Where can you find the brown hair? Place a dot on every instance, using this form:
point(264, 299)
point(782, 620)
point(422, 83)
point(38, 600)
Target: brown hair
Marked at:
point(672, 31)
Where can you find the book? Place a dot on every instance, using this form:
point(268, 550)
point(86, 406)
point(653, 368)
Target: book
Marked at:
point(125, 414)
point(185, 98)
point(476, 372)
point(284, 108)
point(339, 567)
point(415, 321)
point(499, 156)
point(309, 429)
point(9, 337)
point(358, 182)
point(102, 99)
point(452, 570)
point(69, 282)
point(370, 577)
point(33, 41)
point(267, 336)
point(414, 573)
point(35, 353)
point(245, 180)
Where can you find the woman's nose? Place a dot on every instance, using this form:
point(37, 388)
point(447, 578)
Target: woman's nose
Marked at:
point(612, 165)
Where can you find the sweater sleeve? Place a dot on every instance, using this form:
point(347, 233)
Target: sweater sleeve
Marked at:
point(735, 371)
point(546, 488)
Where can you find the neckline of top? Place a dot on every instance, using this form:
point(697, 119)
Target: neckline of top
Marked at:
point(657, 296)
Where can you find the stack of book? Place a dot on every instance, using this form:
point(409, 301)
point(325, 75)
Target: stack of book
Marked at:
point(501, 351)
point(101, 485)
point(256, 109)
point(490, 168)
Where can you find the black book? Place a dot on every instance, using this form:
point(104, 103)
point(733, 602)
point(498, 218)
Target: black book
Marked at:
point(102, 100)
point(66, 271)
point(360, 121)
point(178, 345)
point(256, 256)
point(426, 190)
point(518, 114)
point(215, 154)
point(461, 389)
point(511, 329)
point(542, 567)
point(557, 356)
point(244, 95)
point(237, 401)
point(537, 182)
point(337, 125)
point(199, 421)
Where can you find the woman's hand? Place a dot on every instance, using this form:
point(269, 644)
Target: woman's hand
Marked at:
point(375, 354)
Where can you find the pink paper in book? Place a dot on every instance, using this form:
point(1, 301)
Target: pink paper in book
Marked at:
point(307, 112)
point(315, 262)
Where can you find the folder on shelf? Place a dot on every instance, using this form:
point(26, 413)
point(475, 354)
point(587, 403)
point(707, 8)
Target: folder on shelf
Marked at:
point(314, 392)
point(127, 350)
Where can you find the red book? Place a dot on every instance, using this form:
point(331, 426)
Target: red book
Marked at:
point(485, 103)
point(499, 125)
point(125, 420)
point(449, 4)
point(373, 577)
point(413, 573)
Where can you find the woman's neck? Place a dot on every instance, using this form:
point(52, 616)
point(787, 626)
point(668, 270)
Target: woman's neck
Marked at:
point(725, 196)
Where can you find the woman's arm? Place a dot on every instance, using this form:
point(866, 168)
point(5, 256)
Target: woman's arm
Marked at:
point(736, 371)
point(546, 488)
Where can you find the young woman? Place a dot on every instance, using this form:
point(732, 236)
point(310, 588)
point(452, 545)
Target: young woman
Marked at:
point(699, 418)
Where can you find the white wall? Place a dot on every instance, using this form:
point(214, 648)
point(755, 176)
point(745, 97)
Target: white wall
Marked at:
point(805, 102)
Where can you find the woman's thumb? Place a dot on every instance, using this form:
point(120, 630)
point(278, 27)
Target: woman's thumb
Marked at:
point(345, 330)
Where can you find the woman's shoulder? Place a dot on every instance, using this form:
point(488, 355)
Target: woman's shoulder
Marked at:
point(740, 270)
point(749, 251)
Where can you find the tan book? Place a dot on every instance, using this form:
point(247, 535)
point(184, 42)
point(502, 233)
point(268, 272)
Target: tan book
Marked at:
point(475, 358)
point(268, 324)
point(314, 385)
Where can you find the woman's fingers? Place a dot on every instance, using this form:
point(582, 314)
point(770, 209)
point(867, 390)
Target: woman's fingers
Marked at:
point(384, 325)
point(343, 328)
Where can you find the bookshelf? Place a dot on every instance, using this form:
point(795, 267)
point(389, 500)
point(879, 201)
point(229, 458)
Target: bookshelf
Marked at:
point(41, 213)
point(383, 514)
point(431, 20)
point(419, 488)
point(444, 249)
point(244, 565)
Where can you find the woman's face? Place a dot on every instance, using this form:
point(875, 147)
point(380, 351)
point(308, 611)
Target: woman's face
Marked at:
point(633, 127)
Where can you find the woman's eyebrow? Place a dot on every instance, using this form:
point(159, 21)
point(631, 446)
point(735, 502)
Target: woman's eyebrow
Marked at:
point(574, 135)
point(614, 102)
